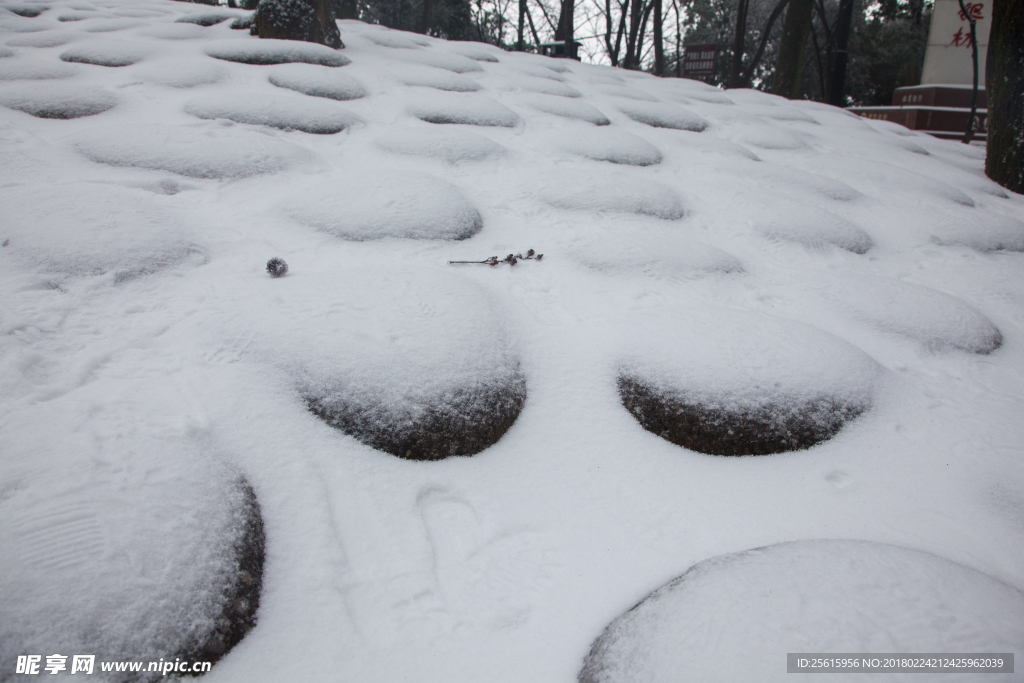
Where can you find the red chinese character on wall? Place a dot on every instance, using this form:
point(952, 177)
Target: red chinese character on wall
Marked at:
point(973, 9)
point(961, 39)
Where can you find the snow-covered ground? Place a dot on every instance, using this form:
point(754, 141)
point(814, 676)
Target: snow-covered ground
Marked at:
point(720, 260)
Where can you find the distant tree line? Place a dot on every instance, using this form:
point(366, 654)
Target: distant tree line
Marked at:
point(844, 52)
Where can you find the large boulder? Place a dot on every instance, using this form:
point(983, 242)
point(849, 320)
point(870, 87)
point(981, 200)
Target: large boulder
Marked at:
point(308, 20)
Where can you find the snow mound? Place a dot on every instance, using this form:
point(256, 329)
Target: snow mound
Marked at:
point(470, 109)
point(805, 596)
point(744, 383)
point(885, 181)
point(452, 146)
point(937, 320)
point(991, 232)
point(571, 109)
point(273, 51)
point(426, 372)
point(393, 39)
point(33, 70)
point(94, 229)
point(440, 60)
point(17, 24)
point(317, 81)
point(608, 144)
point(57, 101)
point(108, 53)
point(481, 52)
point(174, 32)
point(205, 152)
point(146, 549)
point(431, 77)
point(771, 137)
point(816, 228)
point(709, 96)
point(546, 87)
point(109, 25)
point(28, 11)
point(42, 39)
point(664, 116)
point(780, 112)
point(6, 52)
point(285, 112)
point(370, 206)
point(545, 72)
point(75, 15)
point(653, 254)
point(207, 18)
point(630, 93)
point(187, 72)
point(615, 194)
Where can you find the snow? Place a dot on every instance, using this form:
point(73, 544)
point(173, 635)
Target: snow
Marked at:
point(467, 472)
point(194, 152)
point(106, 53)
point(572, 109)
point(48, 101)
point(450, 62)
point(42, 39)
point(545, 87)
point(664, 116)
point(30, 69)
point(866, 597)
point(276, 52)
point(618, 147)
point(288, 112)
point(452, 146)
point(368, 206)
point(817, 228)
point(317, 82)
point(616, 193)
point(432, 77)
point(470, 109)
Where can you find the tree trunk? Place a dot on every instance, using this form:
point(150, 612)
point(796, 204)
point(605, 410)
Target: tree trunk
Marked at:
point(424, 22)
point(636, 13)
point(522, 27)
point(1004, 76)
point(565, 27)
point(837, 76)
point(735, 73)
point(659, 40)
point(789, 69)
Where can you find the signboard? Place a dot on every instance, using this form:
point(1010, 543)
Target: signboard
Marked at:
point(948, 57)
point(699, 60)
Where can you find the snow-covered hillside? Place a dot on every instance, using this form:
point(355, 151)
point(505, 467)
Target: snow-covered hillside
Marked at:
point(724, 272)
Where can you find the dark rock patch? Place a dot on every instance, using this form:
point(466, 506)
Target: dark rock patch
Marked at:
point(462, 421)
point(28, 11)
point(240, 596)
point(720, 427)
